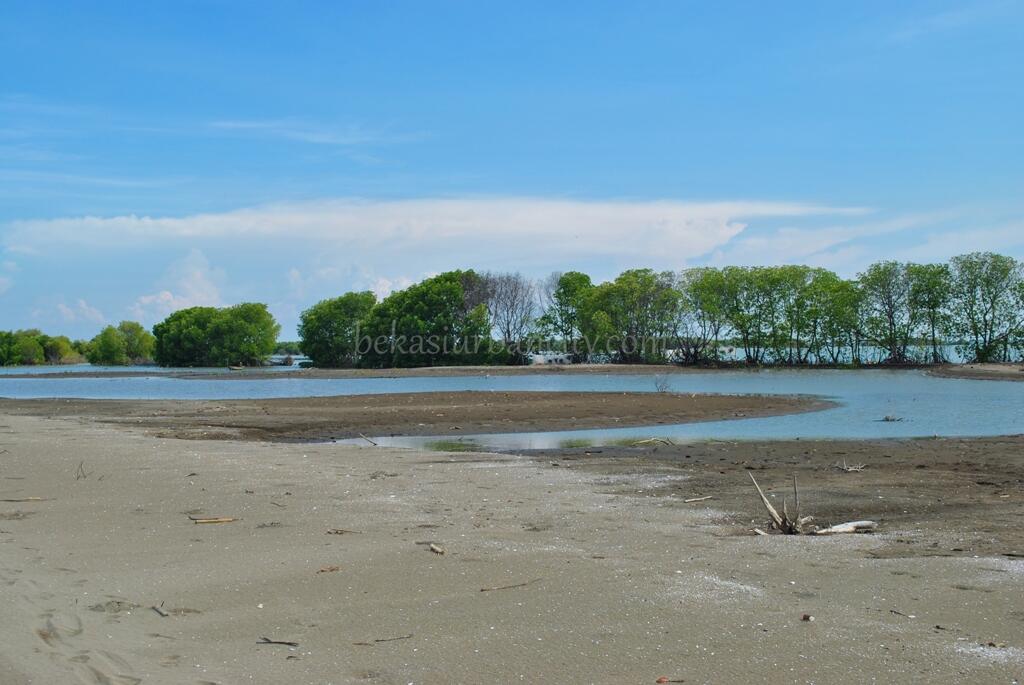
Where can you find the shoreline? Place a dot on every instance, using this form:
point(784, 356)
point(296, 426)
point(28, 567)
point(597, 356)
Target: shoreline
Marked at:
point(980, 371)
point(315, 419)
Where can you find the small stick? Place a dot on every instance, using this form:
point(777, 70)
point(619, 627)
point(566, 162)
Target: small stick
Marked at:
point(392, 639)
point(696, 499)
point(368, 440)
point(340, 531)
point(268, 641)
point(758, 531)
point(768, 505)
point(214, 519)
point(436, 549)
point(27, 499)
point(509, 587)
point(160, 611)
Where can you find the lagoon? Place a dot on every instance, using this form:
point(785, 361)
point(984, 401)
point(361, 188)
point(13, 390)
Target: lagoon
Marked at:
point(925, 405)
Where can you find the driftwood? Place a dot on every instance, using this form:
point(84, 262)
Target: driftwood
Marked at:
point(850, 527)
point(26, 499)
point(652, 441)
point(159, 610)
point(212, 519)
point(803, 525)
point(436, 548)
point(696, 499)
point(368, 440)
point(268, 641)
point(850, 468)
point(340, 531)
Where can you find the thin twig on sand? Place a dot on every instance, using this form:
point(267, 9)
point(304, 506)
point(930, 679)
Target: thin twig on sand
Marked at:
point(510, 587)
point(696, 499)
point(268, 641)
point(383, 639)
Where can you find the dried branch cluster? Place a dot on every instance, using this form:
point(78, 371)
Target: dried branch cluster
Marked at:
point(804, 525)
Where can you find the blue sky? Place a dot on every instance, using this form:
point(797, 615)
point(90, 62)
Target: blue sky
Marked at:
point(164, 154)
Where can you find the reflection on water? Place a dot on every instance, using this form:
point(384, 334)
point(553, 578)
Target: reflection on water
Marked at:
point(927, 405)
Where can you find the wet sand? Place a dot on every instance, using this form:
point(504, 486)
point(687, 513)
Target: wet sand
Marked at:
point(435, 413)
point(570, 566)
point(990, 372)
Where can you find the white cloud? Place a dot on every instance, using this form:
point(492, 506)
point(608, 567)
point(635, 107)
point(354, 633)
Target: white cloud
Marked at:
point(834, 246)
point(512, 230)
point(382, 287)
point(82, 311)
point(1007, 238)
point(191, 282)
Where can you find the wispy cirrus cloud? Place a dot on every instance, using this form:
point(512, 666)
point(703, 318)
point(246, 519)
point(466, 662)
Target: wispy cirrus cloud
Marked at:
point(949, 20)
point(305, 132)
point(48, 177)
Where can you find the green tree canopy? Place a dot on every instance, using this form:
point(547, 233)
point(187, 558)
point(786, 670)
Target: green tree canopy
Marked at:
point(890, 313)
point(244, 334)
point(138, 342)
point(633, 317)
point(566, 297)
point(108, 348)
point(329, 329)
point(440, 321)
point(28, 349)
point(987, 302)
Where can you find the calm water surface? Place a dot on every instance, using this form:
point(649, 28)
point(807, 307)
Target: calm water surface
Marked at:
point(925, 404)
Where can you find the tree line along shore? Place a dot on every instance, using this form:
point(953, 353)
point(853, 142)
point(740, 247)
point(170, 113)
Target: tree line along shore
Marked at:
point(892, 313)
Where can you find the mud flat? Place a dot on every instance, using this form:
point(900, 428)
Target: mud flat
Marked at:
point(557, 567)
point(434, 413)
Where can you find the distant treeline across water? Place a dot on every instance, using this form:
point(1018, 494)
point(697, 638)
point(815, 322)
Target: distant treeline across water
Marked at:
point(969, 309)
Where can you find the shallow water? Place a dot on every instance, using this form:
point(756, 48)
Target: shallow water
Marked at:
point(927, 405)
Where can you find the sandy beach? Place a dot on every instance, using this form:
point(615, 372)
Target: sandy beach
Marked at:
point(569, 566)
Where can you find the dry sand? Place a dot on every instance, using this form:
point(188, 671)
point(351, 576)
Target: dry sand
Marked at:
point(612, 578)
